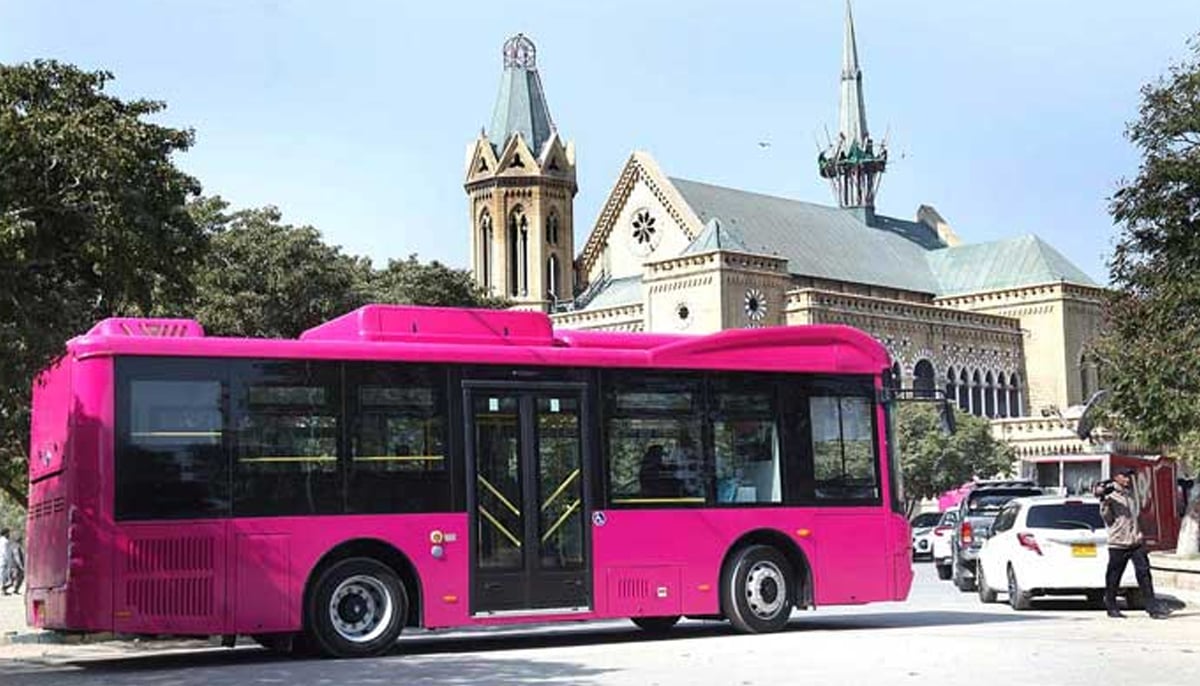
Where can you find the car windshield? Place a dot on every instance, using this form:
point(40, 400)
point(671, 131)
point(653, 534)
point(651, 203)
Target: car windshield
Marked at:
point(949, 518)
point(1065, 516)
point(926, 519)
point(991, 501)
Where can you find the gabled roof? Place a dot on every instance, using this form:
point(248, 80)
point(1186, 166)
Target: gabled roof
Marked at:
point(819, 241)
point(1022, 261)
point(715, 236)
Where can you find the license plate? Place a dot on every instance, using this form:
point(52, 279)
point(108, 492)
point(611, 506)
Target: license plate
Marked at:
point(1083, 549)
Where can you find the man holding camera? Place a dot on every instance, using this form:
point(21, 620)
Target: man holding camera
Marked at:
point(1119, 509)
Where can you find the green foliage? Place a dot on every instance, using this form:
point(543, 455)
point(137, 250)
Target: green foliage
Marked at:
point(411, 282)
point(933, 462)
point(1150, 356)
point(263, 278)
point(92, 224)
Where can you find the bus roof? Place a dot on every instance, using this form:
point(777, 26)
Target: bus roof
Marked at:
point(439, 334)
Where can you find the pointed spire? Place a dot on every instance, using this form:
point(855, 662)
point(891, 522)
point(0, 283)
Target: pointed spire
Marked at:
point(521, 104)
point(853, 163)
point(852, 112)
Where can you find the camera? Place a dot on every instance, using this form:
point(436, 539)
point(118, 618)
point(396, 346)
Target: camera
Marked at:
point(1103, 488)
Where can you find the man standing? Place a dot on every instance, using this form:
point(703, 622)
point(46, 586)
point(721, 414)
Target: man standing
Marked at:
point(1119, 508)
point(15, 561)
point(4, 572)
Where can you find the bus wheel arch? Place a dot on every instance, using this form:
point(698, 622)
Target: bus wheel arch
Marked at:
point(801, 591)
point(385, 553)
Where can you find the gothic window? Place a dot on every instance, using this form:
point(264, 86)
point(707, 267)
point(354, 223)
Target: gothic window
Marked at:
point(485, 249)
point(482, 165)
point(923, 379)
point(518, 252)
point(977, 394)
point(950, 381)
point(516, 162)
point(552, 228)
point(989, 396)
point(552, 277)
point(524, 223)
point(1014, 396)
point(1085, 372)
point(1001, 396)
point(897, 378)
point(964, 391)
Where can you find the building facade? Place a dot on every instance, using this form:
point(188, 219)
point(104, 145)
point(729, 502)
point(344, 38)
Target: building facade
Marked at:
point(1002, 327)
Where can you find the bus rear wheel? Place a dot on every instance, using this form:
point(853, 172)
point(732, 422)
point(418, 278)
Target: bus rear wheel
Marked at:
point(356, 608)
point(756, 588)
point(655, 625)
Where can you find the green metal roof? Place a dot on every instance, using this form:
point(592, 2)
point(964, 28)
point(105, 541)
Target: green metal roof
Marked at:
point(521, 108)
point(1022, 261)
point(820, 241)
point(854, 246)
point(715, 236)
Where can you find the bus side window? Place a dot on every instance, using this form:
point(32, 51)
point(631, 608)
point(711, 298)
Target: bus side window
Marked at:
point(845, 464)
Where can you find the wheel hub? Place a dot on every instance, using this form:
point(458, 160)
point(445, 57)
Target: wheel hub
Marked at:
point(361, 608)
point(765, 589)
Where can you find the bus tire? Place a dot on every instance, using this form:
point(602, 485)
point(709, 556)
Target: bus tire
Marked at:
point(655, 625)
point(757, 590)
point(356, 608)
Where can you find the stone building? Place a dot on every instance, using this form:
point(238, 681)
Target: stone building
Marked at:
point(1001, 326)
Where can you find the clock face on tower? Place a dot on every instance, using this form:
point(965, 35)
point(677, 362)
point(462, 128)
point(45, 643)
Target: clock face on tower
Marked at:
point(756, 306)
point(644, 233)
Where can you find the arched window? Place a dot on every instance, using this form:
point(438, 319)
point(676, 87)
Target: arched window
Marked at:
point(977, 394)
point(989, 396)
point(518, 252)
point(1001, 396)
point(1086, 370)
point(552, 277)
point(485, 250)
point(950, 380)
point(964, 391)
point(897, 375)
point(552, 228)
point(1014, 396)
point(923, 383)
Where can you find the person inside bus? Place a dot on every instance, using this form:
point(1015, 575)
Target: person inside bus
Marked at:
point(655, 477)
point(685, 463)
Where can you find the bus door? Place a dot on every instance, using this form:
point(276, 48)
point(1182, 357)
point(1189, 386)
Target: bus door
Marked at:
point(526, 497)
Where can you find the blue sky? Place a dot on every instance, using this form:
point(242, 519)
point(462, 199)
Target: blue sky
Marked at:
point(355, 116)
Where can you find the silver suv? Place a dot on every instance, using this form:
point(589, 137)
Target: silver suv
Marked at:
point(976, 513)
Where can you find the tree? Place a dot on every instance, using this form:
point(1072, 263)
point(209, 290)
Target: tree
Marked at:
point(263, 278)
point(92, 224)
point(411, 282)
point(1150, 356)
point(933, 462)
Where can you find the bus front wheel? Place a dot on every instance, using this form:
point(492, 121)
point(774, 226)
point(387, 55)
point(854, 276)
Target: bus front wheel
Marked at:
point(356, 608)
point(757, 590)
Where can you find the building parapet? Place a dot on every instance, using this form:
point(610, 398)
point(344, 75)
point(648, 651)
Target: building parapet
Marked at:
point(1025, 294)
point(811, 298)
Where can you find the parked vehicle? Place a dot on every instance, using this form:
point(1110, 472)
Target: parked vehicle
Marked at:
point(922, 534)
point(976, 513)
point(1048, 545)
point(942, 535)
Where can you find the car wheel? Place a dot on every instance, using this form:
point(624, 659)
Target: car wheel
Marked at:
point(944, 572)
point(986, 594)
point(656, 625)
point(757, 590)
point(356, 608)
point(1019, 599)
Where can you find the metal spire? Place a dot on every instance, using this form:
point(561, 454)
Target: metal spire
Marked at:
point(852, 112)
point(853, 163)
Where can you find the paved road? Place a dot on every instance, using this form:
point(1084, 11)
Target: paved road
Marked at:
point(939, 636)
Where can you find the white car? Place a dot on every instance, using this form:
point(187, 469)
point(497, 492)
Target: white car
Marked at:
point(1049, 545)
point(943, 554)
point(922, 533)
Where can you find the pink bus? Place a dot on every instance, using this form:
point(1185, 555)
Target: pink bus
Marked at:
point(421, 467)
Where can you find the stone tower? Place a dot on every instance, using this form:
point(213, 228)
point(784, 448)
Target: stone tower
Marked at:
point(854, 164)
point(520, 180)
